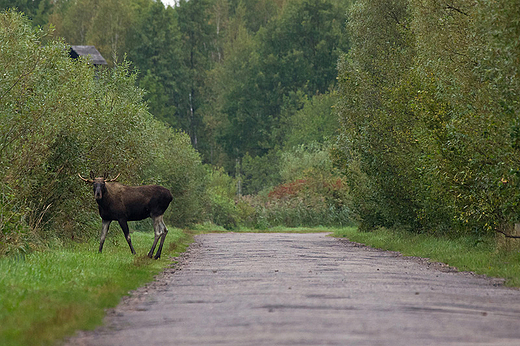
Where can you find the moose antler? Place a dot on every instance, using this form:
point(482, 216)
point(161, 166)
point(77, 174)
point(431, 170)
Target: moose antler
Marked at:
point(114, 178)
point(86, 180)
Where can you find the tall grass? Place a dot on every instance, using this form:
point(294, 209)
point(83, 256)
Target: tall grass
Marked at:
point(46, 296)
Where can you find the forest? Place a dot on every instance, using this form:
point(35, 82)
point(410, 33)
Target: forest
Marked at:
point(397, 114)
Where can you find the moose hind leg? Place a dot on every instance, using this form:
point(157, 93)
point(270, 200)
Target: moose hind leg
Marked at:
point(126, 231)
point(160, 233)
point(157, 234)
point(159, 250)
point(163, 237)
point(104, 230)
point(150, 253)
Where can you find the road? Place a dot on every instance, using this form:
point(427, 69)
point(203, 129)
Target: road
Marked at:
point(309, 289)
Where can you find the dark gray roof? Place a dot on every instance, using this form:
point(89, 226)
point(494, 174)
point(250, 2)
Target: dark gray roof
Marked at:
point(97, 58)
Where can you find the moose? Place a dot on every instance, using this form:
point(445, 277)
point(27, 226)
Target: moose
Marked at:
point(130, 203)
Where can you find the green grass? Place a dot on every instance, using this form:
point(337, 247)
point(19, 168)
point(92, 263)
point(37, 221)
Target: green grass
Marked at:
point(48, 295)
point(466, 253)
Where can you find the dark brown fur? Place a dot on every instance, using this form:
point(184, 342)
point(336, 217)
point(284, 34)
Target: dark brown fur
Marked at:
point(131, 203)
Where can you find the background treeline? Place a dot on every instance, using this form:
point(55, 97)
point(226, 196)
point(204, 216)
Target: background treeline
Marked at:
point(229, 73)
point(429, 109)
point(398, 113)
point(206, 82)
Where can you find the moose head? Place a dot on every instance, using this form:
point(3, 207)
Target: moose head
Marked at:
point(98, 183)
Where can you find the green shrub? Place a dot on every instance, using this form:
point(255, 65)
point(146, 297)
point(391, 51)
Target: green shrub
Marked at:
point(313, 194)
point(260, 172)
point(222, 190)
point(61, 117)
point(174, 164)
point(298, 161)
point(428, 107)
point(315, 122)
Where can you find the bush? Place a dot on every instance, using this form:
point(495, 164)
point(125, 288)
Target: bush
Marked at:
point(61, 117)
point(174, 164)
point(315, 122)
point(306, 202)
point(428, 107)
point(313, 193)
point(222, 190)
point(260, 172)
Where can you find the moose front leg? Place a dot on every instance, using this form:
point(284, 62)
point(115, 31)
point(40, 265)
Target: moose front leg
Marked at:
point(126, 231)
point(104, 230)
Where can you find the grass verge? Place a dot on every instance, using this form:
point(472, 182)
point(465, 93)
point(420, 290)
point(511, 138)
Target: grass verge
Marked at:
point(48, 295)
point(480, 256)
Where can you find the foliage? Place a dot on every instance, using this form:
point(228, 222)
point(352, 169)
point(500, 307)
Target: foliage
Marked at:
point(61, 117)
point(244, 80)
point(313, 201)
point(428, 119)
point(260, 172)
point(294, 54)
point(311, 193)
point(314, 122)
point(154, 48)
point(375, 129)
point(222, 190)
point(232, 74)
point(301, 160)
point(175, 164)
point(197, 45)
point(104, 24)
point(37, 10)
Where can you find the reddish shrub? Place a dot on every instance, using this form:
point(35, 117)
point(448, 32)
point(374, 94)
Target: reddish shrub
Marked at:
point(288, 190)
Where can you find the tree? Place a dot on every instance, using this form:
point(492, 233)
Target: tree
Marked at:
point(154, 46)
point(257, 13)
point(73, 20)
point(62, 116)
point(104, 24)
point(109, 28)
point(197, 37)
point(315, 122)
point(377, 136)
point(295, 52)
point(429, 119)
point(36, 10)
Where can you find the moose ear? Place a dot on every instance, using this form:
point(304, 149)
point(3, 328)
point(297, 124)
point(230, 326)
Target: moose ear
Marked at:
point(92, 175)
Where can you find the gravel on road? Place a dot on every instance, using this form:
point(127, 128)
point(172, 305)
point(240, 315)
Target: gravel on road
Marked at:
point(309, 289)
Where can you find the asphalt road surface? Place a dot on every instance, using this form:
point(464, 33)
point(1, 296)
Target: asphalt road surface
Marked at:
point(309, 289)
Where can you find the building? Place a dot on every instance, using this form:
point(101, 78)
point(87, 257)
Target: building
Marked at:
point(95, 56)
